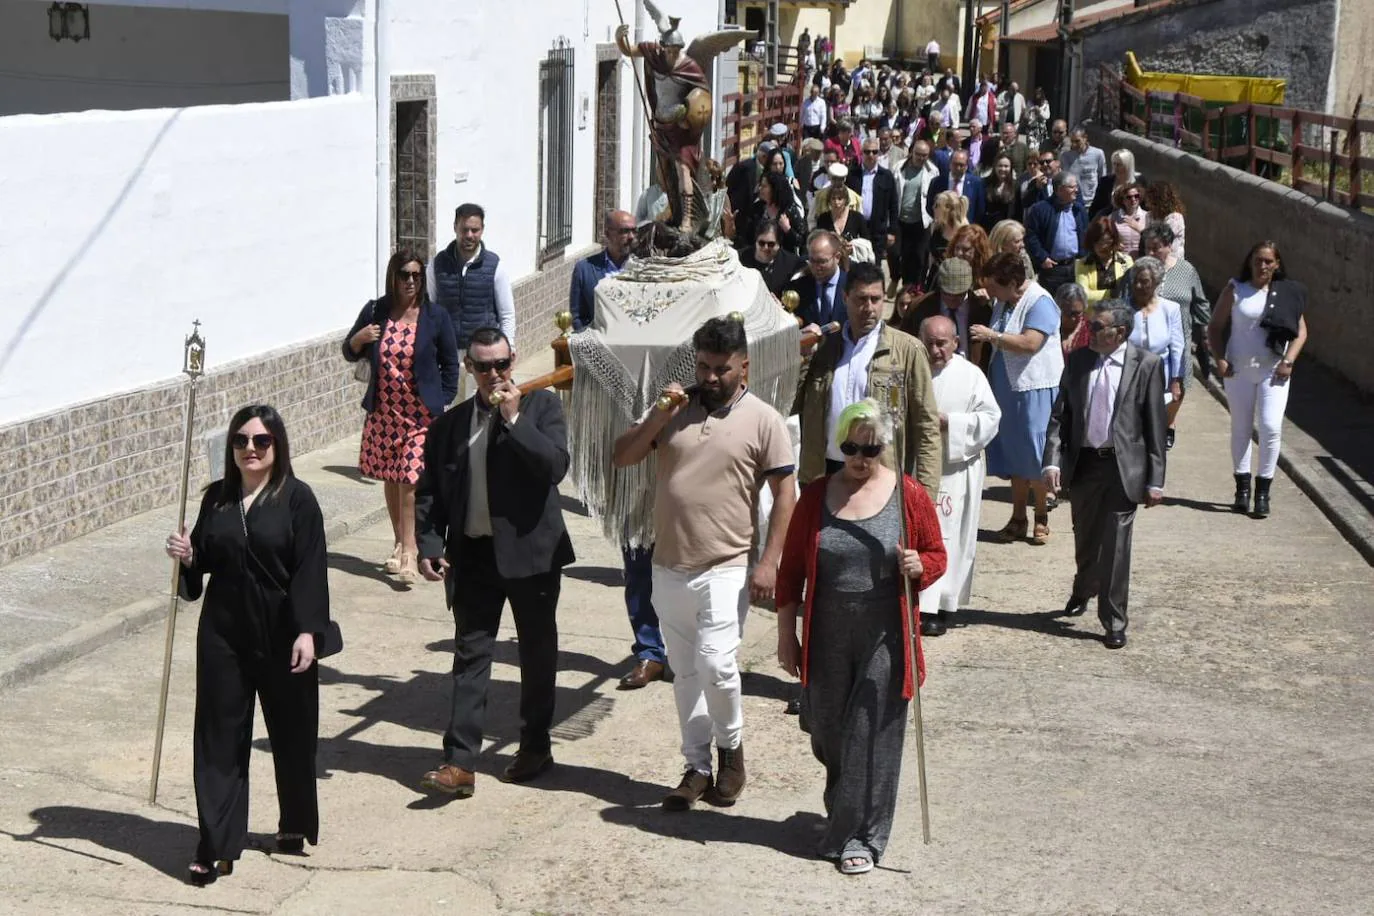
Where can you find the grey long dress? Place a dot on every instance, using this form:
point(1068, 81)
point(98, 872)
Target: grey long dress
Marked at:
point(853, 705)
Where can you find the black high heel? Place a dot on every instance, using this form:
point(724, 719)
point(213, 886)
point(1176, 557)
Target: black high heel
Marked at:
point(211, 873)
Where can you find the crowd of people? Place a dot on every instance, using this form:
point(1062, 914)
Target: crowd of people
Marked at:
point(981, 292)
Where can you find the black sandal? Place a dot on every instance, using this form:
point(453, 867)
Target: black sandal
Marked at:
point(211, 872)
point(290, 842)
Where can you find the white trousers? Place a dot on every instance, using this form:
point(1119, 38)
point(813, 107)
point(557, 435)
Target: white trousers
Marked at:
point(1256, 395)
point(701, 616)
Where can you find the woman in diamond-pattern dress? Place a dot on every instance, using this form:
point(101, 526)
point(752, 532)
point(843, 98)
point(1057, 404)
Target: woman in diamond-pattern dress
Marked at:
point(414, 355)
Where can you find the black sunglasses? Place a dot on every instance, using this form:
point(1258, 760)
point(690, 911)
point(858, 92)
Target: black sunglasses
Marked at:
point(484, 365)
point(868, 451)
point(262, 441)
point(764, 243)
point(405, 275)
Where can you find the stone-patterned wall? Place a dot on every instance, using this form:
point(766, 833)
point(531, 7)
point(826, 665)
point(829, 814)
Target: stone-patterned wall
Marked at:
point(81, 468)
point(85, 467)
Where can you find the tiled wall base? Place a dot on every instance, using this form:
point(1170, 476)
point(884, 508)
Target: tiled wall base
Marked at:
point(81, 468)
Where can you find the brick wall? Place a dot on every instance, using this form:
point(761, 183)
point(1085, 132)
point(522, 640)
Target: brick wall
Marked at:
point(80, 468)
point(1328, 248)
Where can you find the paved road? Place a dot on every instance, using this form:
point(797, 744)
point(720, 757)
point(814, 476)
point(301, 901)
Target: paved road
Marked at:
point(1219, 764)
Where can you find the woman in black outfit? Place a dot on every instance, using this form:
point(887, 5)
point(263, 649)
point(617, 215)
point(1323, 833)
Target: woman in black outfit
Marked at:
point(1003, 199)
point(260, 538)
point(776, 202)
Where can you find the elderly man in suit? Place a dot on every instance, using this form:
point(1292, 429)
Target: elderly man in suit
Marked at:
point(877, 190)
point(963, 182)
point(1106, 442)
point(490, 525)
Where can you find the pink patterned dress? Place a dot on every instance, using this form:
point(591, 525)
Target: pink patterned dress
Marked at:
point(394, 435)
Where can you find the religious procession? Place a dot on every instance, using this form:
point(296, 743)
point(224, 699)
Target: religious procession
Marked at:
point(784, 385)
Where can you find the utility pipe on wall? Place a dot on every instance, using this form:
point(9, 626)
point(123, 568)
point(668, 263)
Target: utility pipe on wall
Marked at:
point(639, 140)
point(382, 91)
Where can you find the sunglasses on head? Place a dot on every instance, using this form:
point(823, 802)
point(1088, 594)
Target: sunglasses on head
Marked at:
point(487, 365)
point(262, 441)
point(850, 449)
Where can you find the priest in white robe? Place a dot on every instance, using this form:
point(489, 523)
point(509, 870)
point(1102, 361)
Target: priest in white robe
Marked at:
point(969, 416)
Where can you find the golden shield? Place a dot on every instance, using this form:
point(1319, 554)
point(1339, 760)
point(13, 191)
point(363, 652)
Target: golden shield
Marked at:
point(698, 109)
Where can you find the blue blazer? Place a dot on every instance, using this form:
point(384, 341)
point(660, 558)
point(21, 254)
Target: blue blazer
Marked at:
point(1040, 222)
point(809, 306)
point(973, 190)
point(436, 365)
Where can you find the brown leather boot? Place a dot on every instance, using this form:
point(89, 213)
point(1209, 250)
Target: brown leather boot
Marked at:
point(688, 792)
point(730, 775)
point(451, 780)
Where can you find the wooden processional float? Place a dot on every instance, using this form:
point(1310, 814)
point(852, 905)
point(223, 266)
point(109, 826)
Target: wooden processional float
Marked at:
point(561, 377)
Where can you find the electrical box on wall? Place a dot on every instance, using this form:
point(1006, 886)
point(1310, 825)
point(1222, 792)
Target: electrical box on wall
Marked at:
point(584, 107)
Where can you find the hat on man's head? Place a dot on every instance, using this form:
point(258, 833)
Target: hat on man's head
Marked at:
point(955, 276)
point(838, 171)
point(812, 145)
point(778, 130)
point(767, 146)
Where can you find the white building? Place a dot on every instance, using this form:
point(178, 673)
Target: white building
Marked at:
point(250, 163)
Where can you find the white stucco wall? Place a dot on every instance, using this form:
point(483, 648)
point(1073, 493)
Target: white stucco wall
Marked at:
point(485, 59)
point(140, 58)
point(122, 227)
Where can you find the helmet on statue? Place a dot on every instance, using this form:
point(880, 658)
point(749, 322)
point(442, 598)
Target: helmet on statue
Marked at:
point(672, 38)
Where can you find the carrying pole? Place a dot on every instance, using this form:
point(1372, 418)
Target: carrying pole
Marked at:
point(193, 364)
point(895, 397)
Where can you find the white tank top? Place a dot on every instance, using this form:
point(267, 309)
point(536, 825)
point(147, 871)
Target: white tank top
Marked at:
point(1247, 346)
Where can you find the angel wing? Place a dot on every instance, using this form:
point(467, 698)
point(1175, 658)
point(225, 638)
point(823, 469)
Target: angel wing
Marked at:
point(705, 47)
point(657, 16)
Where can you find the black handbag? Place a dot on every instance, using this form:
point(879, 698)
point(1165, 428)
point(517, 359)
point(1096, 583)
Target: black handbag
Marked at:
point(327, 643)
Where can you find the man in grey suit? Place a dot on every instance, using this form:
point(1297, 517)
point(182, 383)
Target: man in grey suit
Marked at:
point(1106, 442)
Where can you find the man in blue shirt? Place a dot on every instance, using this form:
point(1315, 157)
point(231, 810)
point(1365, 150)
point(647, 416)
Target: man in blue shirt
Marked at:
point(1054, 233)
point(618, 233)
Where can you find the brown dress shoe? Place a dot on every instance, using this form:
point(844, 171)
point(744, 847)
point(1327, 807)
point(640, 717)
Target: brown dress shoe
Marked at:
point(642, 674)
point(729, 774)
point(688, 792)
point(451, 780)
point(527, 766)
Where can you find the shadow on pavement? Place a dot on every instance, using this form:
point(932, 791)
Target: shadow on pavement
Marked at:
point(164, 845)
point(572, 506)
point(796, 836)
point(1196, 504)
point(1051, 623)
point(598, 575)
point(350, 472)
point(767, 686)
point(364, 569)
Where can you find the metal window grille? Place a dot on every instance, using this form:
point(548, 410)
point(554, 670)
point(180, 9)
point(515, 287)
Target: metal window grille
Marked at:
point(556, 147)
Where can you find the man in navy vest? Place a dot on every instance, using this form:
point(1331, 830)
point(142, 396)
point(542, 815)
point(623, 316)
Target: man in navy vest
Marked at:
point(470, 282)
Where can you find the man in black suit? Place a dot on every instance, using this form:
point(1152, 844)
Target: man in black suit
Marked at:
point(877, 191)
point(820, 288)
point(1106, 442)
point(490, 525)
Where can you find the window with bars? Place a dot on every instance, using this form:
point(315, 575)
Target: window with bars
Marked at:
point(556, 149)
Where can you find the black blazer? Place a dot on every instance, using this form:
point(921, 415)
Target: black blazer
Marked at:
point(1283, 309)
point(808, 309)
point(884, 214)
point(436, 365)
point(777, 273)
point(1138, 420)
point(525, 464)
point(741, 183)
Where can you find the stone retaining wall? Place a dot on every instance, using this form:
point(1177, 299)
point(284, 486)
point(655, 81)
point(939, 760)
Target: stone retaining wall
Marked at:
point(72, 471)
point(1329, 248)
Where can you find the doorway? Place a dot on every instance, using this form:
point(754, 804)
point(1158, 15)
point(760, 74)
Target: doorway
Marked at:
point(412, 204)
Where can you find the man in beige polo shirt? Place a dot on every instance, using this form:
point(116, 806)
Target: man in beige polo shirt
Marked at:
point(715, 449)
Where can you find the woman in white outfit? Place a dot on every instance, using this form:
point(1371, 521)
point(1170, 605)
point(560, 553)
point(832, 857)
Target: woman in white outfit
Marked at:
point(1259, 325)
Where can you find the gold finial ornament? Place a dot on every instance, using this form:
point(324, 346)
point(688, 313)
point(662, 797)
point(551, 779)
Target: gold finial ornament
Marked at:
point(736, 316)
point(495, 398)
point(193, 359)
point(669, 399)
point(791, 300)
point(564, 320)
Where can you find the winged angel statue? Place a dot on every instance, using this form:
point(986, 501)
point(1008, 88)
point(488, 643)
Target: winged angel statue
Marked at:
point(680, 104)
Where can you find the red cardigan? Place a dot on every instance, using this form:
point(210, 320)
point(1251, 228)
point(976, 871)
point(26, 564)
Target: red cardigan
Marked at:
point(798, 566)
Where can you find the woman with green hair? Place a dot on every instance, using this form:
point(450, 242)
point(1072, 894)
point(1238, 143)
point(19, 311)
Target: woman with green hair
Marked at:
point(859, 658)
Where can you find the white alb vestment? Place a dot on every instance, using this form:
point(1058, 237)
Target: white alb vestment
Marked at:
point(963, 395)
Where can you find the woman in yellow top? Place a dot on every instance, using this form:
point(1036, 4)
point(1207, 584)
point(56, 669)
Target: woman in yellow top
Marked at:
point(1101, 270)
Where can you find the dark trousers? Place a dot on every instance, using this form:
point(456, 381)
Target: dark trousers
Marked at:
point(477, 607)
point(915, 252)
point(933, 63)
point(229, 675)
point(1204, 353)
point(639, 603)
point(812, 132)
point(1103, 519)
point(1058, 275)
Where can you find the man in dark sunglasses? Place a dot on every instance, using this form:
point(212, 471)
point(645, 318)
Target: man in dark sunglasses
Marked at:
point(490, 525)
point(1106, 440)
